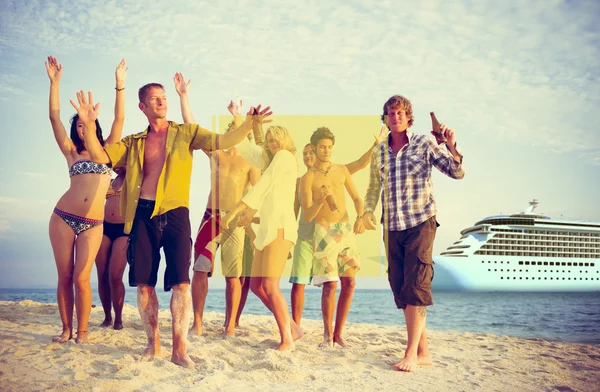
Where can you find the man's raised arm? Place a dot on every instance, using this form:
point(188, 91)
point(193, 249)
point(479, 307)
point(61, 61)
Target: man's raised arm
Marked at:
point(359, 227)
point(230, 139)
point(182, 89)
point(364, 160)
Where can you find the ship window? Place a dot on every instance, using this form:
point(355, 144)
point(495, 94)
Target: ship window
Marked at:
point(552, 263)
point(592, 264)
point(482, 261)
point(501, 277)
point(545, 263)
point(569, 264)
point(527, 263)
point(522, 278)
point(489, 270)
point(587, 264)
point(520, 263)
point(563, 263)
point(495, 270)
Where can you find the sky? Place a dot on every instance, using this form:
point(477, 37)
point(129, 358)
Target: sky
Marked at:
point(517, 80)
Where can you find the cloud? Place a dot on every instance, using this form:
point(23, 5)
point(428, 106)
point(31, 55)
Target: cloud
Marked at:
point(32, 175)
point(524, 72)
point(17, 214)
point(9, 86)
point(4, 226)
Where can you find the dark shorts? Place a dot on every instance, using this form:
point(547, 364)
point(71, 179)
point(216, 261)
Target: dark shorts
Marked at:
point(114, 230)
point(410, 263)
point(172, 232)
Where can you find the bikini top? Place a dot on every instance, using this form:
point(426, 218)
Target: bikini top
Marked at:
point(111, 192)
point(87, 167)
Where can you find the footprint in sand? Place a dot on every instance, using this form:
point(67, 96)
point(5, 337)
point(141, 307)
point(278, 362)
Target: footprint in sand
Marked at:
point(563, 388)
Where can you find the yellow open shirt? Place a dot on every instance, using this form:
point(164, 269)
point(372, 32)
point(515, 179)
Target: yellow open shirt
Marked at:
point(173, 189)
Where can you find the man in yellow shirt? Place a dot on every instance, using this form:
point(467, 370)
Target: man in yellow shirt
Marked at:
point(155, 204)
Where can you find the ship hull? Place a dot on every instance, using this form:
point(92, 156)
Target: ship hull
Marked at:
point(501, 273)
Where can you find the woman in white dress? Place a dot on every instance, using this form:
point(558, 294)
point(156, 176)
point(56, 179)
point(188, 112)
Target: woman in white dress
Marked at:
point(273, 198)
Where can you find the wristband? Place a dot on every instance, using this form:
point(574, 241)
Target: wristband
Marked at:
point(120, 89)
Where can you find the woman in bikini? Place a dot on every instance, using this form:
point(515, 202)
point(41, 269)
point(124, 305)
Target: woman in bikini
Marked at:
point(76, 224)
point(273, 198)
point(111, 259)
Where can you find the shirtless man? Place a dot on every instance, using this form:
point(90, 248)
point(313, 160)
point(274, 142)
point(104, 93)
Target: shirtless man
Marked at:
point(335, 256)
point(301, 273)
point(230, 175)
point(155, 205)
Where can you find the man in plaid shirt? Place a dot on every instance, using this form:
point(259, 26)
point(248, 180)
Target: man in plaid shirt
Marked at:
point(402, 167)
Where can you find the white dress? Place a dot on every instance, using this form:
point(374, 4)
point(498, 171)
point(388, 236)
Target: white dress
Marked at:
point(273, 194)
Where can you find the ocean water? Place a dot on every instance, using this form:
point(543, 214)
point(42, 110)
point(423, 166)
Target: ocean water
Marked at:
point(567, 317)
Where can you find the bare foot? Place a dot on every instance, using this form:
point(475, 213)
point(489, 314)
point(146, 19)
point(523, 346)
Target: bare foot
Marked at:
point(286, 347)
point(424, 360)
point(407, 364)
point(326, 344)
point(63, 337)
point(229, 333)
point(118, 325)
point(327, 341)
point(183, 360)
point(196, 330)
point(106, 323)
point(341, 342)
point(149, 353)
point(297, 332)
point(82, 337)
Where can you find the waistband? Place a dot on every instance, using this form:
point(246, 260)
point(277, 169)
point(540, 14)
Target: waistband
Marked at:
point(145, 203)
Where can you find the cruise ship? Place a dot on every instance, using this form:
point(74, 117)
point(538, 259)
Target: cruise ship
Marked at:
point(522, 252)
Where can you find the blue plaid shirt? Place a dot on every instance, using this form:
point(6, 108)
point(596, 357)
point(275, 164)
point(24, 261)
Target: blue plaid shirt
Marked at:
point(407, 199)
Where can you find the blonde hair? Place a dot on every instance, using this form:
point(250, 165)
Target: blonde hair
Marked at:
point(283, 137)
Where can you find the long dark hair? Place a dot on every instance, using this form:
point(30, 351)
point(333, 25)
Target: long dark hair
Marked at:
point(75, 136)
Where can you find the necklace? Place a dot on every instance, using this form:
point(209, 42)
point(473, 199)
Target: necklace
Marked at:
point(325, 172)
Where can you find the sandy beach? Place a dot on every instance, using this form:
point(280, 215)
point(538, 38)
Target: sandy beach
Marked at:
point(30, 361)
